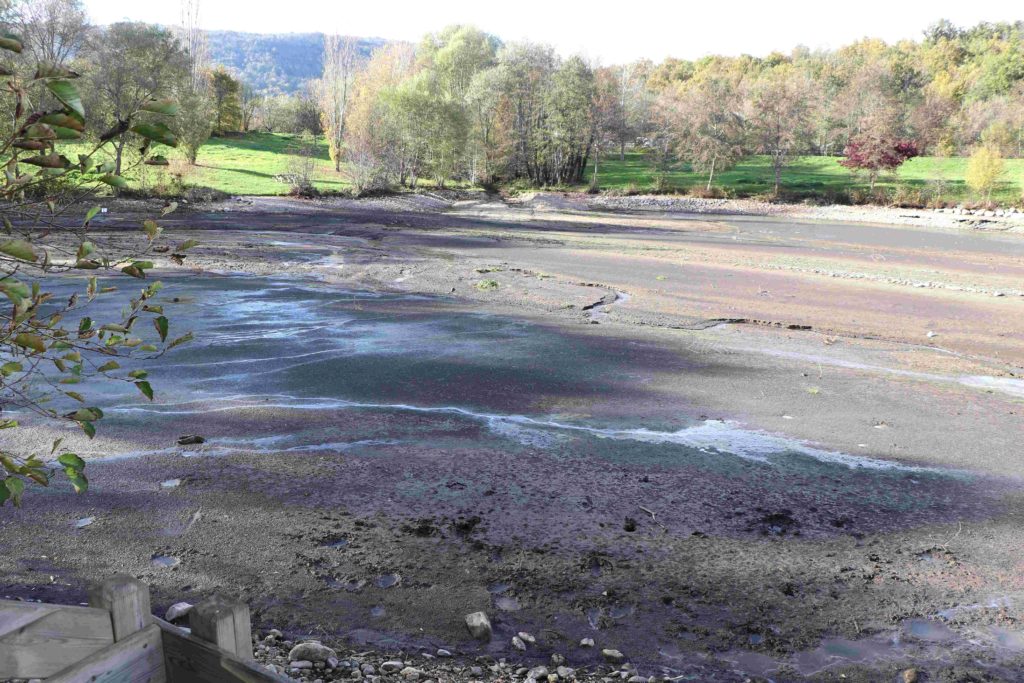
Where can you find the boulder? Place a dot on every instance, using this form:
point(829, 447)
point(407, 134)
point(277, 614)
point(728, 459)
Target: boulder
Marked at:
point(479, 625)
point(312, 651)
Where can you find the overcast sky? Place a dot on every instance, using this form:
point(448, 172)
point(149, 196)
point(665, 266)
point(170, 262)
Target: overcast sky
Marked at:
point(611, 32)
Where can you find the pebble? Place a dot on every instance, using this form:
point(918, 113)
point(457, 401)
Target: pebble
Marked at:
point(479, 625)
point(557, 659)
point(411, 673)
point(392, 666)
point(170, 484)
point(302, 664)
point(587, 642)
point(538, 672)
point(518, 643)
point(84, 522)
point(613, 656)
point(527, 637)
point(443, 653)
point(565, 672)
point(313, 651)
point(910, 676)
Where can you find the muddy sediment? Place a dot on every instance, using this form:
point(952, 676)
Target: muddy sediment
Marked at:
point(728, 447)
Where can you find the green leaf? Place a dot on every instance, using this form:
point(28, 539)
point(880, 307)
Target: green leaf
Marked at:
point(54, 71)
point(188, 244)
point(16, 487)
point(71, 460)
point(19, 249)
point(114, 180)
point(75, 395)
point(78, 480)
point(146, 389)
point(64, 121)
point(108, 366)
point(139, 374)
point(184, 339)
point(166, 106)
point(134, 271)
point(39, 131)
point(91, 213)
point(10, 368)
point(27, 340)
point(170, 208)
point(10, 41)
point(68, 95)
point(5, 493)
point(151, 229)
point(89, 428)
point(85, 415)
point(161, 325)
point(157, 132)
point(64, 133)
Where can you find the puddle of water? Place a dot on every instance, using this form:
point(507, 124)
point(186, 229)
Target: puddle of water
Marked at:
point(165, 561)
point(388, 580)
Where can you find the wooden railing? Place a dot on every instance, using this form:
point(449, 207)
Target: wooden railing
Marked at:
point(117, 639)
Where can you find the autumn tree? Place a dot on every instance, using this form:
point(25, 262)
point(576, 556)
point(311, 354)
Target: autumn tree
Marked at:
point(779, 117)
point(334, 91)
point(985, 168)
point(706, 124)
point(129, 65)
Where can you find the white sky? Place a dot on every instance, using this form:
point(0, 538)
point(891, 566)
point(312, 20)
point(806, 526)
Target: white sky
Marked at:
point(610, 31)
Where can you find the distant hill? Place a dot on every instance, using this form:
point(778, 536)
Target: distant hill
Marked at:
point(278, 63)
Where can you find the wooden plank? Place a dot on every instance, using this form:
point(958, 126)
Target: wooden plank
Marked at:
point(14, 615)
point(127, 600)
point(56, 639)
point(192, 660)
point(138, 658)
point(224, 623)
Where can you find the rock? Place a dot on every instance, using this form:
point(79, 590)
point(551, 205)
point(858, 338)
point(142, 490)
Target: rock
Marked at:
point(274, 634)
point(565, 673)
point(479, 625)
point(332, 662)
point(587, 642)
point(367, 669)
point(518, 643)
point(443, 653)
point(527, 637)
point(613, 656)
point(313, 651)
point(392, 666)
point(910, 676)
point(84, 522)
point(170, 484)
point(411, 673)
point(302, 664)
point(476, 671)
point(538, 672)
point(190, 440)
point(557, 659)
point(177, 611)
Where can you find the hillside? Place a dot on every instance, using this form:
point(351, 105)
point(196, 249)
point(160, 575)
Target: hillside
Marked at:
point(275, 63)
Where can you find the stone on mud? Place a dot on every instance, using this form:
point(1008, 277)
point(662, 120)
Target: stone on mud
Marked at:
point(312, 651)
point(479, 625)
point(613, 656)
point(177, 611)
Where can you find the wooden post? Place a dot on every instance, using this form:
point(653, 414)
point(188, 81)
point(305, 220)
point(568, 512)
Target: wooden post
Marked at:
point(127, 600)
point(225, 624)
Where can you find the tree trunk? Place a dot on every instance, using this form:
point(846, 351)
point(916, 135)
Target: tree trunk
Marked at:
point(622, 150)
point(778, 177)
point(711, 175)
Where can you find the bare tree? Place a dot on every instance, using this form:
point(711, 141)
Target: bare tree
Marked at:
point(193, 39)
point(52, 31)
point(251, 103)
point(334, 90)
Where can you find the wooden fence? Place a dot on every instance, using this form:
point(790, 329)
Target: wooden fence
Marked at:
point(117, 640)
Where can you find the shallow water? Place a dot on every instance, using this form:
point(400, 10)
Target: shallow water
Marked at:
point(290, 366)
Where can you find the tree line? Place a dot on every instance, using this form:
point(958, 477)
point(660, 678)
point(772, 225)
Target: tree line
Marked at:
point(461, 105)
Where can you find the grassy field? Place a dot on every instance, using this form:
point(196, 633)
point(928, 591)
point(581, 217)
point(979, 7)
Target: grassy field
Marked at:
point(251, 165)
point(811, 176)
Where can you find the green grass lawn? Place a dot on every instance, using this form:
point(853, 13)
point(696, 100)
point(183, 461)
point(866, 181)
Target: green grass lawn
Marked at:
point(809, 175)
point(250, 165)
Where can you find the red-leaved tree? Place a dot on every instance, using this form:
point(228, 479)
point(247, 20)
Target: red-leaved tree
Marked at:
point(876, 154)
